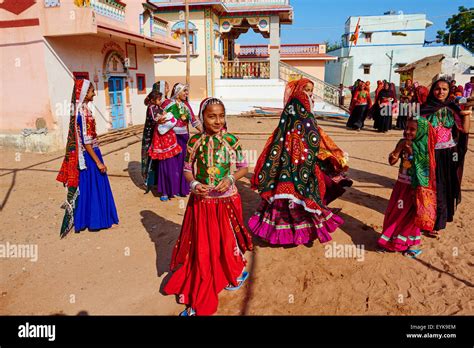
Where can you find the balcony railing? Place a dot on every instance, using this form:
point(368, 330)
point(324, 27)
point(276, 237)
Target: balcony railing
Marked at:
point(159, 27)
point(113, 9)
point(245, 70)
point(232, 2)
point(255, 2)
point(253, 51)
point(299, 50)
point(285, 50)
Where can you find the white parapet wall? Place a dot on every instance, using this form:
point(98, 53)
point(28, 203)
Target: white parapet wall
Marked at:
point(249, 89)
point(241, 95)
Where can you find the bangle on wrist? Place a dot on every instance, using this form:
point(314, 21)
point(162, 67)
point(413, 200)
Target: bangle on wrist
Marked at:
point(193, 184)
point(231, 178)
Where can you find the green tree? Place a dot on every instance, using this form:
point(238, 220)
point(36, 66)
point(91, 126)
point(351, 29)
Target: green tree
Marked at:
point(331, 46)
point(460, 29)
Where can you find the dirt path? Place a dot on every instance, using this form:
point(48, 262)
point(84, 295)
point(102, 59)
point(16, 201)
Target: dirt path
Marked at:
point(120, 271)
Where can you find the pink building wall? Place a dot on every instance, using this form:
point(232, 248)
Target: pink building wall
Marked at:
point(311, 67)
point(37, 70)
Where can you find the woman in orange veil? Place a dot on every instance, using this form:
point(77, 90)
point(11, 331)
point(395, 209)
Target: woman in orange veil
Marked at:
point(293, 175)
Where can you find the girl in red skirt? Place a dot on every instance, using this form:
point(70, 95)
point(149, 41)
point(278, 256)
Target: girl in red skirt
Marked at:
point(209, 253)
point(164, 144)
point(412, 205)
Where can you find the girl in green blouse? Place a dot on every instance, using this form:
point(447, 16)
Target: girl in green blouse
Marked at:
point(209, 254)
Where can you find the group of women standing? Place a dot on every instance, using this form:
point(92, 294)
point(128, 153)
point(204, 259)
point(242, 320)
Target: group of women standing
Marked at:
point(165, 135)
point(299, 172)
point(385, 106)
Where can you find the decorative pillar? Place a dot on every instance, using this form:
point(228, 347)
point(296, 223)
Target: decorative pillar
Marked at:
point(274, 48)
point(209, 34)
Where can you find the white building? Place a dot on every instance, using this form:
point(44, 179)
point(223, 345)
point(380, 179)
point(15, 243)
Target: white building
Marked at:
point(385, 44)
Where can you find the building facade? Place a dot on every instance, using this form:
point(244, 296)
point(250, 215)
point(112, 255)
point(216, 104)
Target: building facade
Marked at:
point(309, 58)
point(214, 27)
point(48, 44)
point(385, 44)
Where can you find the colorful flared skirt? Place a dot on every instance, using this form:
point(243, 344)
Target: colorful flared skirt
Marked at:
point(209, 254)
point(399, 229)
point(170, 174)
point(95, 206)
point(283, 222)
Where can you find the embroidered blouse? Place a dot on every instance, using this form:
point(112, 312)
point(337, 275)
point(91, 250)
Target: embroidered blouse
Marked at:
point(182, 114)
point(443, 121)
point(213, 157)
point(87, 127)
point(362, 98)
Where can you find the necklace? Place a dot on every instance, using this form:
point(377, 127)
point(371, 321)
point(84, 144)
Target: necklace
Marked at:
point(444, 115)
point(182, 111)
point(207, 157)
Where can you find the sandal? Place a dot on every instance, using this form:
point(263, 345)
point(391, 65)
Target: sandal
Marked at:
point(240, 281)
point(413, 253)
point(164, 198)
point(186, 313)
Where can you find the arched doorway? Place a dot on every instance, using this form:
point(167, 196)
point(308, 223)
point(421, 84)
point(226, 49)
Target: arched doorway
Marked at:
point(115, 73)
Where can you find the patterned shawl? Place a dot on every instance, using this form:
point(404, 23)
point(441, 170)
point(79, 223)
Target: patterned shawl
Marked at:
point(448, 111)
point(423, 174)
point(74, 158)
point(289, 167)
point(148, 172)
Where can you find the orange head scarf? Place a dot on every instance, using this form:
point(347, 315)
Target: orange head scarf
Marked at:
point(295, 89)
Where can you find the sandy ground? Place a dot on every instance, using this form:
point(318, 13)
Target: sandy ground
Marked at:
point(121, 270)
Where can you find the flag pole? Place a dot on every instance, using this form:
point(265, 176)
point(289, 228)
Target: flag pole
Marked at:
point(353, 39)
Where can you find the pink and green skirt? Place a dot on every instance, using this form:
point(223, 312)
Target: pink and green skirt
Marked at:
point(283, 222)
point(399, 229)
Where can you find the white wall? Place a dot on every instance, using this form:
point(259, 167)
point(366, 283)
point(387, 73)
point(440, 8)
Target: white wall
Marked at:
point(380, 63)
point(381, 27)
point(249, 89)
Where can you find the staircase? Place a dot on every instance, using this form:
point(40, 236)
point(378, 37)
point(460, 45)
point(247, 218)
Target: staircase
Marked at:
point(326, 93)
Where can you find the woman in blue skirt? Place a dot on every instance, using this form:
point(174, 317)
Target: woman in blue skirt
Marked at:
point(90, 203)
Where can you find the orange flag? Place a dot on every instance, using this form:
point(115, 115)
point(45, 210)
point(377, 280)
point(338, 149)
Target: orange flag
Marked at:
point(355, 36)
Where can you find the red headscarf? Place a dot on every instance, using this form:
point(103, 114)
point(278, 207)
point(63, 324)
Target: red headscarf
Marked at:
point(295, 89)
point(69, 172)
point(378, 89)
point(421, 93)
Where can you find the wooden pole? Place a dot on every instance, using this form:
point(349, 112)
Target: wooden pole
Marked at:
point(186, 28)
point(346, 63)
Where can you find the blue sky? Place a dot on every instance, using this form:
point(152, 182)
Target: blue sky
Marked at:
point(318, 20)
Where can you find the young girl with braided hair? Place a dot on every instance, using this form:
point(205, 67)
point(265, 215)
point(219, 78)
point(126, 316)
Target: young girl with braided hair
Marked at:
point(209, 254)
